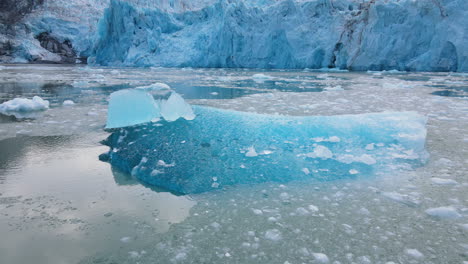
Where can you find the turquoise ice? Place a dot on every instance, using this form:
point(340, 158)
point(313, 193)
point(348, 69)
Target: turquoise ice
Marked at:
point(221, 147)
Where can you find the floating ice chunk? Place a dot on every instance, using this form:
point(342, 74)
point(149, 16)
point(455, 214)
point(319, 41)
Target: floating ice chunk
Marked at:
point(155, 87)
point(125, 239)
point(162, 163)
point(447, 212)
point(353, 171)
point(441, 181)
point(364, 158)
point(273, 234)
point(136, 106)
point(257, 211)
point(130, 107)
point(330, 139)
point(24, 105)
point(414, 253)
point(251, 152)
point(320, 152)
point(320, 258)
point(306, 171)
point(175, 107)
point(313, 208)
point(402, 198)
point(260, 77)
point(68, 103)
point(334, 88)
point(220, 139)
point(370, 146)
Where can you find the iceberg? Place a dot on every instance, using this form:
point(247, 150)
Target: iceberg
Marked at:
point(136, 106)
point(23, 107)
point(220, 148)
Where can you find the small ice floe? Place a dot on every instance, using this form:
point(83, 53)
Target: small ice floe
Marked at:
point(402, 198)
point(444, 212)
point(125, 239)
point(364, 158)
point(320, 258)
point(273, 234)
point(257, 211)
point(414, 253)
point(260, 77)
point(155, 87)
point(333, 139)
point(251, 152)
point(302, 211)
point(320, 152)
point(441, 181)
point(162, 163)
point(136, 254)
point(334, 88)
point(24, 105)
point(313, 208)
point(68, 103)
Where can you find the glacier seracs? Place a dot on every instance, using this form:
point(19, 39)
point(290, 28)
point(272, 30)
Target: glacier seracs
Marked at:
point(405, 35)
point(347, 34)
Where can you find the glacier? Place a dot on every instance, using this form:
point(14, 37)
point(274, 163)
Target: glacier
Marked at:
point(404, 35)
point(357, 35)
point(219, 148)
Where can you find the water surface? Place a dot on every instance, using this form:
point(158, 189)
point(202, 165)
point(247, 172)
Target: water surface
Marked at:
point(60, 204)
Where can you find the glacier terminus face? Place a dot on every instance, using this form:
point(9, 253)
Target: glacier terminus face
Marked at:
point(403, 35)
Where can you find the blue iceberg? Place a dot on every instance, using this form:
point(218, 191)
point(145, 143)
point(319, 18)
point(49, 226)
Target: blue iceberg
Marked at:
point(219, 148)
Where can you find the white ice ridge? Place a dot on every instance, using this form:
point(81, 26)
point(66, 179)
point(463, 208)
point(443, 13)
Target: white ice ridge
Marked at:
point(24, 105)
point(136, 106)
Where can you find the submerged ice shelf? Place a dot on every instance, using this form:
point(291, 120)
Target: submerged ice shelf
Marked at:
point(222, 147)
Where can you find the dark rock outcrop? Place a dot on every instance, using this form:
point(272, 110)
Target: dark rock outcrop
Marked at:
point(63, 49)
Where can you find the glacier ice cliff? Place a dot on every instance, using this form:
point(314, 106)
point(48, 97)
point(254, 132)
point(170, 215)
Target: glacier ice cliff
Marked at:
point(69, 27)
point(428, 35)
point(356, 35)
point(219, 148)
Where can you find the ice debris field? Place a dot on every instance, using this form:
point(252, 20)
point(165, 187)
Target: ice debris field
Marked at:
point(389, 188)
point(191, 151)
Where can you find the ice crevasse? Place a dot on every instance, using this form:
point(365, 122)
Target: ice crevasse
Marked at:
point(210, 148)
point(348, 34)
